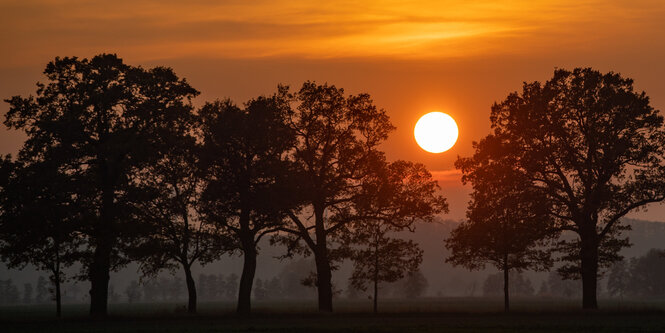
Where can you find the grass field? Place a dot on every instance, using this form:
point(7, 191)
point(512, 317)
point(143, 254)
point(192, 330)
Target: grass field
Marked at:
point(426, 315)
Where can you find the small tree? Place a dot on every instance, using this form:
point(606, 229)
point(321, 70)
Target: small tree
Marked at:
point(381, 258)
point(393, 198)
point(39, 216)
point(506, 223)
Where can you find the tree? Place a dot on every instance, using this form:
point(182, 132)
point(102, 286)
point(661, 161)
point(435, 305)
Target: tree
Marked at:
point(396, 197)
point(173, 233)
point(521, 286)
point(647, 274)
point(507, 223)
point(381, 258)
point(42, 290)
point(39, 219)
point(414, 285)
point(246, 192)
point(27, 293)
point(337, 159)
point(589, 144)
point(133, 292)
point(99, 121)
point(618, 281)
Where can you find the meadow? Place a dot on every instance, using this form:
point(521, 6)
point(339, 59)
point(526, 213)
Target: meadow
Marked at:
point(422, 315)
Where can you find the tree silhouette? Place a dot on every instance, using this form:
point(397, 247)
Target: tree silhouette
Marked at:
point(100, 120)
point(173, 235)
point(393, 200)
point(336, 151)
point(507, 222)
point(39, 220)
point(247, 174)
point(592, 146)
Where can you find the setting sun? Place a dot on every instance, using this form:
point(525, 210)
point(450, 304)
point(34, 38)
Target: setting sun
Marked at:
point(436, 132)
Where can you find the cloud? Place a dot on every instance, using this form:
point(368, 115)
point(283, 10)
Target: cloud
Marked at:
point(448, 178)
point(149, 30)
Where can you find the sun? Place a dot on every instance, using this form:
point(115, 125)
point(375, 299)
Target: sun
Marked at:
point(436, 132)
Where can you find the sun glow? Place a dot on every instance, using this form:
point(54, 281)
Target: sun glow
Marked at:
point(436, 132)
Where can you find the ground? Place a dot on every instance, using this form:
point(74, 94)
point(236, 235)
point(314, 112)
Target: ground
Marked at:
point(427, 315)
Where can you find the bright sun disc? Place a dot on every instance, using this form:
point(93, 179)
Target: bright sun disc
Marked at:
point(436, 132)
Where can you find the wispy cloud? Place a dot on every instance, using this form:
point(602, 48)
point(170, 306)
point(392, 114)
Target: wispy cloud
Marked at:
point(147, 30)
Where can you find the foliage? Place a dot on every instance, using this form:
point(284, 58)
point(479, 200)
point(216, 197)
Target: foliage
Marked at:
point(97, 121)
point(591, 146)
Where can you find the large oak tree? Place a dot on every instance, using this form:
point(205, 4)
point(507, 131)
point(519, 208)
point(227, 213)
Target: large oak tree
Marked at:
point(592, 146)
point(100, 120)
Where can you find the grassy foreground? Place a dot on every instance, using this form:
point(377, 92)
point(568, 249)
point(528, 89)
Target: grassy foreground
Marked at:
point(428, 315)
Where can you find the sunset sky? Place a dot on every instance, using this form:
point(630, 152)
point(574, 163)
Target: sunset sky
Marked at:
point(413, 57)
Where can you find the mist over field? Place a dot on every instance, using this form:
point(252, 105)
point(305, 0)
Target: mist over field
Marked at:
point(443, 280)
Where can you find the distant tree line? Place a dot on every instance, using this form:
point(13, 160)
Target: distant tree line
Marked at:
point(119, 166)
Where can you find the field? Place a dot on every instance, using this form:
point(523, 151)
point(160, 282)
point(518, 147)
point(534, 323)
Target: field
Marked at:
point(427, 315)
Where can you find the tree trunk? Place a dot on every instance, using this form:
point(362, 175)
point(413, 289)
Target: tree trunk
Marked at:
point(58, 297)
point(589, 270)
point(376, 295)
point(506, 279)
point(247, 277)
point(99, 279)
point(191, 289)
point(323, 270)
point(376, 276)
point(324, 280)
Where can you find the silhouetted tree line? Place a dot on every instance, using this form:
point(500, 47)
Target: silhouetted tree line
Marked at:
point(119, 166)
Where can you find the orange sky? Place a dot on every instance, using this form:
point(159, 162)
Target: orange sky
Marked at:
point(413, 57)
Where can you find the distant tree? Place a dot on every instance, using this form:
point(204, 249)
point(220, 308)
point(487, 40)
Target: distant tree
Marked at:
point(507, 223)
point(521, 286)
point(543, 290)
point(113, 296)
point(618, 282)
point(133, 292)
point(274, 288)
point(260, 292)
point(98, 121)
point(247, 192)
point(413, 285)
point(9, 293)
point(592, 146)
point(230, 286)
point(27, 293)
point(563, 287)
point(647, 274)
point(42, 290)
point(352, 292)
point(39, 219)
